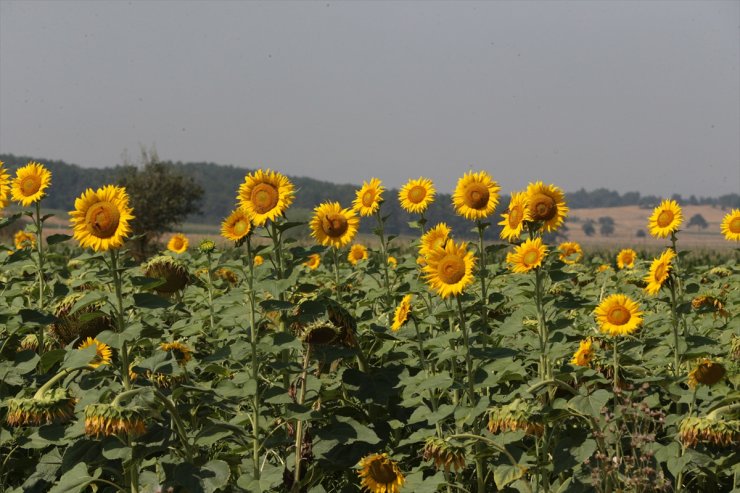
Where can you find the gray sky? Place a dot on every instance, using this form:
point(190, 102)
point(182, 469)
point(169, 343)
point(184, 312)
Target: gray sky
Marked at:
point(625, 95)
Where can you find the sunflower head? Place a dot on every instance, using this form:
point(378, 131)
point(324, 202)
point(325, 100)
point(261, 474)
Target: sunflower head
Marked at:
point(237, 226)
point(731, 225)
point(357, 253)
point(265, 195)
point(369, 197)
point(402, 313)
point(626, 258)
point(380, 474)
point(54, 406)
point(180, 351)
point(103, 352)
point(709, 430)
point(449, 270)
point(333, 226)
point(570, 252)
point(584, 354)
point(172, 271)
point(101, 218)
point(416, 195)
point(30, 183)
point(515, 217)
point(4, 187)
point(527, 256)
point(178, 243)
point(258, 260)
point(666, 219)
point(392, 262)
point(313, 262)
point(444, 454)
point(84, 323)
point(706, 372)
point(517, 415)
point(659, 272)
point(618, 315)
point(475, 196)
point(206, 246)
point(434, 239)
point(108, 420)
point(227, 275)
point(546, 204)
point(23, 240)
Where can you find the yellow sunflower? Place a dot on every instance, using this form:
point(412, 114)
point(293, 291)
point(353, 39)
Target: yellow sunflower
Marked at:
point(30, 183)
point(570, 252)
point(103, 352)
point(603, 268)
point(380, 474)
point(313, 262)
point(178, 243)
point(101, 218)
point(258, 260)
point(585, 353)
point(180, 351)
point(392, 261)
point(433, 239)
point(369, 197)
point(449, 270)
point(402, 313)
point(546, 203)
point(416, 195)
point(475, 196)
point(731, 225)
point(666, 219)
point(265, 195)
point(22, 240)
point(236, 226)
point(4, 187)
point(527, 256)
point(626, 258)
point(333, 226)
point(618, 315)
point(659, 270)
point(356, 253)
point(514, 217)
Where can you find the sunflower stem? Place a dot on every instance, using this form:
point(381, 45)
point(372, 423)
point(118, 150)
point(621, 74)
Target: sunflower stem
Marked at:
point(117, 283)
point(255, 363)
point(299, 424)
point(212, 318)
point(336, 270)
point(40, 250)
point(384, 258)
point(179, 426)
point(674, 325)
point(468, 361)
point(50, 383)
point(482, 274)
point(544, 370)
point(493, 445)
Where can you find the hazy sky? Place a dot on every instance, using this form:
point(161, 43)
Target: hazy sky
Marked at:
point(625, 95)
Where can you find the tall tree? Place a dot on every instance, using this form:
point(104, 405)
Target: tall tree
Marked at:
point(698, 221)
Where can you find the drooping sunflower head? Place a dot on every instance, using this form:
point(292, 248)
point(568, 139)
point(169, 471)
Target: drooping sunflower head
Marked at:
point(618, 315)
point(54, 406)
point(731, 225)
point(180, 351)
point(313, 262)
point(527, 256)
point(369, 197)
point(357, 253)
point(178, 243)
point(584, 354)
point(103, 352)
point(4, 187)
point(449, 270)
point(236, 226)
point(706, 372)
point(626, 258)
point(475, 196)
point(515, 216)
point(416, 195)
point(517, 415)
point(380, 474)
point(333, 226)
point(30, 183)
point(402, 313)
point(546, 204)
point(666, 219)
point(227, 275)
point(709, 430)
point(108, 420)
point(444, 454)
point(101, 218)
point(265, 195)
point(83, 323)
point(434, 239)
point(23, 239)
point(659, 271)
point(172, 271)
point(570, 252)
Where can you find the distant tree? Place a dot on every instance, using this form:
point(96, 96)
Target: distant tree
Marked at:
point(698, 221)
point(640, 233)
point(588, 227)
point(606, 226)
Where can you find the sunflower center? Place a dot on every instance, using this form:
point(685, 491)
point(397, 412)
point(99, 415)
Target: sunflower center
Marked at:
point(382, 473)
point(451, 269)
point(735, 225)
point(618, 315)
point(178, 244)
point(368, 198)
point(543, 207)
point(515, 217)
point(102, 219)
point(334, 225)
point(240, 227)
point(30, 185)
point(476, 196)
point(531, 257)
point(417, 194)
point(664, 218)
point(264, 198)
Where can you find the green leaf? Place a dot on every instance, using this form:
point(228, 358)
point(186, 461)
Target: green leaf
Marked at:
point(74, 480)
point(149, 300)
point(276, 305)
point(590, 405)
point(50, 358)
point(78, 358)
point(504, 474)
point(58, 238)
point(215, 475)
point(36, 317)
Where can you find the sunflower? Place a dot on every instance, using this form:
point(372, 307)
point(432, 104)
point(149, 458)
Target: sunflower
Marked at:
point(265, 195)
point(666, 219)
point(380, 474)
point(585, 353)
point(433, 239)
point(313, 262)
point(515, 217)
point(102, 352)
point(172, 271)
point(178, 243)
point(449, 270)
point(402, 313)
point(710, 430)
point(54, 406)
point(101, 218)
point(444, 454)
point(369, 197)
point(517, 415)
point(236, 226)
point(180, 351)
point(707, 372)
point(258, 260)
point(207, 246)
point(546, 203)
point(730, 225)
point(659, 270)
point(22, 240)
point(333, 226)
point(416, 195)
point(527, 256)
point(4, 186)
point(109, 419)
point(356, 253)
point(626, 258)
point(30, 183)
point(603, 268)
point(475, 196)
point(618, 315)
point(570, 252)
point(392, 261)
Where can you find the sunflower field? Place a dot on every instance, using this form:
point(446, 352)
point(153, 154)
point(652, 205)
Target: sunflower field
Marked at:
point(255, 362)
